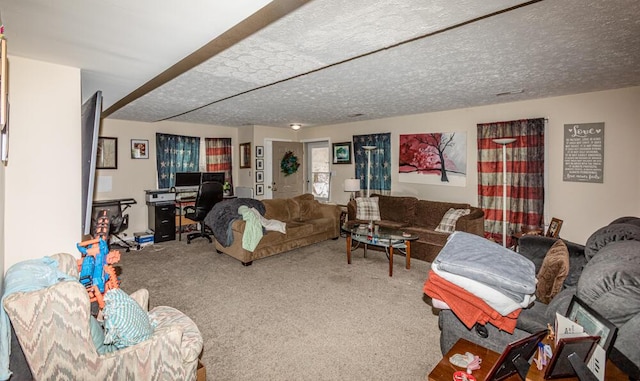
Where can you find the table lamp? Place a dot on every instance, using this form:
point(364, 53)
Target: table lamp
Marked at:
point(352, 185)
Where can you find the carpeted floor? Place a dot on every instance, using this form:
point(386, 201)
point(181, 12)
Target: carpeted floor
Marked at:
point(301, 315)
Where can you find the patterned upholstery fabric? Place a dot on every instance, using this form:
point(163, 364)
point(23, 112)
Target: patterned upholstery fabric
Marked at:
point(52, 326)
point(367, 209)
point(448, 222)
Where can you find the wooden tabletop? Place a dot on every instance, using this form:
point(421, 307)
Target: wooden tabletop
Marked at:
point(444, 370)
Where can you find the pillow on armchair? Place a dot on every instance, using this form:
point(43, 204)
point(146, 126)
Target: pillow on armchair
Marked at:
point(125, 322)
point(553, 272)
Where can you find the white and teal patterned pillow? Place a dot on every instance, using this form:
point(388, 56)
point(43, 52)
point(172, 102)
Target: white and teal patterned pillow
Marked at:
point(367, 209)
point(125, 322)
point(448, 222)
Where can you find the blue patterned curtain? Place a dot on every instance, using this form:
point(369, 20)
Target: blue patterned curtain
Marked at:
point(380, 161)
point(176, 153)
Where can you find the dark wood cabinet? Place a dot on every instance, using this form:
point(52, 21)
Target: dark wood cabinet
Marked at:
point(162, 220)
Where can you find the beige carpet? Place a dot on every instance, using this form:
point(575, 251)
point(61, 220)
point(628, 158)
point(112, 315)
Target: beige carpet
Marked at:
point(301, 315)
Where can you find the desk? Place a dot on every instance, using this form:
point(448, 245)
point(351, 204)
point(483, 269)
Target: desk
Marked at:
point(180, 219)
point(444, 370)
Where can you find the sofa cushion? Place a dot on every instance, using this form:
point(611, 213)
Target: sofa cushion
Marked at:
point(367, 209)
point(608, 234)
point(279, 209)
point(396, 208)
point(392, 224)
point(448, 222)
point(430, 213)
point(125, 322)
point(553, 272)
point(309, 210)
point(609, 282)
point(97, 335)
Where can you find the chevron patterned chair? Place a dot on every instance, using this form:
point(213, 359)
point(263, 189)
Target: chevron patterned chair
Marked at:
point(53, 328)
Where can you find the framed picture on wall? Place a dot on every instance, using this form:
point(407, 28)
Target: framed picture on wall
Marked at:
point(342, 153)
point(259, 189)
point(139, 149)
point(107, 153)
point(259, 176)
point(260, 164)
point(245, 155)
point(259, 151)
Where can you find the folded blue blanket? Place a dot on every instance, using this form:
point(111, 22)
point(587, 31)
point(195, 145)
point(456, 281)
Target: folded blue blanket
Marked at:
point(477, 258)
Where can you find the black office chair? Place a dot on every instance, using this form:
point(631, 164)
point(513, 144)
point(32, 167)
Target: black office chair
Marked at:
point(118, 221)
point(209, 194)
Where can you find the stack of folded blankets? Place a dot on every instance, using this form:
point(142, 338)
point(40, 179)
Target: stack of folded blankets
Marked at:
point(481, 281)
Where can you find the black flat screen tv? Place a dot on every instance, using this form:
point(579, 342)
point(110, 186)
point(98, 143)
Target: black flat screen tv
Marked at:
point(90, 128)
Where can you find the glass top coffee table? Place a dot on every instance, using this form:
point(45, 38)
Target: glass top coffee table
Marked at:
point(388, 238)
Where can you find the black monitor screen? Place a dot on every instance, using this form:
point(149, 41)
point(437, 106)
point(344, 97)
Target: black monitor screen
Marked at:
point(213, 176)
point(187, 179)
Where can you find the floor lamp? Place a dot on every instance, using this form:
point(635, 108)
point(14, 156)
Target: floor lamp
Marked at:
point(503, 142)
point(368, 149)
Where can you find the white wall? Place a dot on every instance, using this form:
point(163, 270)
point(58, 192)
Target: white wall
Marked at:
point(42, 180)
point(134, 176)
point(583, 207)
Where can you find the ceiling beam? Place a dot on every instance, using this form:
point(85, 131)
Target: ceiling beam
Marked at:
point(252, 24)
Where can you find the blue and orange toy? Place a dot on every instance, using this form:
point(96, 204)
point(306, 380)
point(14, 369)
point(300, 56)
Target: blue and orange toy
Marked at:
point(95, 267)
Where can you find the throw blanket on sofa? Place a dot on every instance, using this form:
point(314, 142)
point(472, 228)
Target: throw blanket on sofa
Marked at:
point(220, 218)
point(252, 230)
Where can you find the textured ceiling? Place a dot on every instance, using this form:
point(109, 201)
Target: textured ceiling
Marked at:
point(331, 60)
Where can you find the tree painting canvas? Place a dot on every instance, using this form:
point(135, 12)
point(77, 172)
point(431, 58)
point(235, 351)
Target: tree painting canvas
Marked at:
point(435, 158)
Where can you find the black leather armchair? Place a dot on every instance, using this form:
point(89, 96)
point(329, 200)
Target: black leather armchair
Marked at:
point(209, 194)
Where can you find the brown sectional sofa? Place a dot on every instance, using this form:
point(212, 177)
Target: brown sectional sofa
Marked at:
point(308, 221)
point(421, 217)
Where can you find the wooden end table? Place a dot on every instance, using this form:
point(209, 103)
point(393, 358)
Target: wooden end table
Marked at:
point(444, 370)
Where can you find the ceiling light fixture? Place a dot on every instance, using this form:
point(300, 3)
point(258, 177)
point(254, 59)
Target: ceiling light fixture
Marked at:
point(295, 126)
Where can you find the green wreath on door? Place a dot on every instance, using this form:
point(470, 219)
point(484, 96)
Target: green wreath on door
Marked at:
point(289, 163)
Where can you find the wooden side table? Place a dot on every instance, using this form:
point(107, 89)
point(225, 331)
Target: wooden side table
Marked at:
point(444, 370)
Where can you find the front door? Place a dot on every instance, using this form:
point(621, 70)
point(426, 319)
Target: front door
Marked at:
point(287, 186)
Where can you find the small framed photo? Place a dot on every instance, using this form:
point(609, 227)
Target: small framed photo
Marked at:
point(260, 164)
point(259, 189)
point(554, 228)
point(342, 153)
point(107, 153)
point(139, 149)
point(259, 151)
point(592, 322)
point(259, 176)
point(560, 366)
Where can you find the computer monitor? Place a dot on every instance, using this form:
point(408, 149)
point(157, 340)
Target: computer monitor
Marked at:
point(213, 176)
point(187, 179)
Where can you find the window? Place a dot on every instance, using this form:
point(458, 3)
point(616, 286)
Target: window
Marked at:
point(319, 172)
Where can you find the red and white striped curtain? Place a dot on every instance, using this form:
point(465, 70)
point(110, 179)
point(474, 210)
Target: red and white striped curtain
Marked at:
point(525, 176)
point(219, 157)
